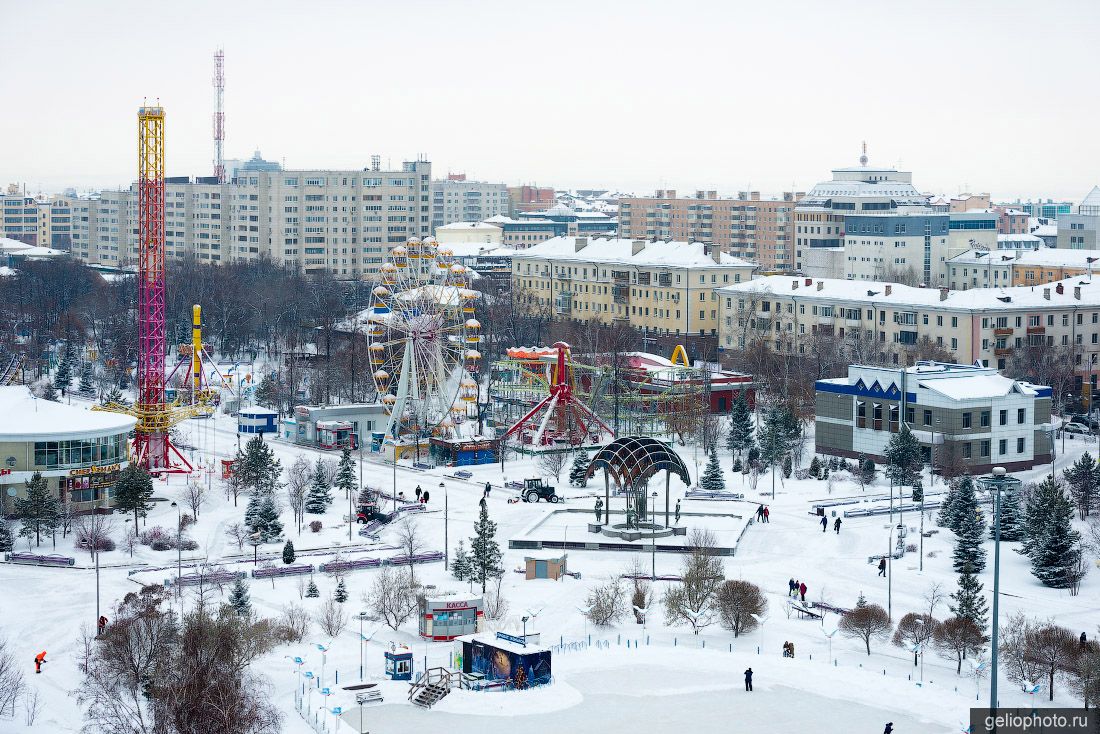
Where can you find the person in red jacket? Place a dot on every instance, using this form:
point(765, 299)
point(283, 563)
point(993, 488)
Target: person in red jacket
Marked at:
point(38, 660)
point(767, 513)
point(802, 590)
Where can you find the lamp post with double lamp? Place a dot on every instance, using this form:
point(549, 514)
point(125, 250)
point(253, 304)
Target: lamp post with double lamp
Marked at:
point(179, 551)
point(362, 640)
point(324, 659)
point(525, 618)
point(996, 483)
point(653, 542)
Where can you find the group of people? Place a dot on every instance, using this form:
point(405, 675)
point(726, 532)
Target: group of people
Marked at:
point(762, 513)
point(788, 649)
point(825, 524)
point(796, 589)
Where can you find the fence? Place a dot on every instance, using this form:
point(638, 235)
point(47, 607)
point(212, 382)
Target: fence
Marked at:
point(280, 571)
point(34, 559)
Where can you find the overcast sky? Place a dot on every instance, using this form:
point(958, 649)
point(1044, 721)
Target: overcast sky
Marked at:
point(996, 96)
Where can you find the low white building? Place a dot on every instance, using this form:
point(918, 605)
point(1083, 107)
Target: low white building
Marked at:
point(460, 233)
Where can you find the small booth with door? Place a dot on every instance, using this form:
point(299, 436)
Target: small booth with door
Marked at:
point(399, 663)
point(334, 434)
point(546, 568)
point(448, 617)
point(256, 420)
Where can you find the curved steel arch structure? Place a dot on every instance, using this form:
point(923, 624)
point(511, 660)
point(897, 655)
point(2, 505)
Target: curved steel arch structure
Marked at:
point(632, 460)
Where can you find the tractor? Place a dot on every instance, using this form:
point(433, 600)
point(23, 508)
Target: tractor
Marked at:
point(534, 490)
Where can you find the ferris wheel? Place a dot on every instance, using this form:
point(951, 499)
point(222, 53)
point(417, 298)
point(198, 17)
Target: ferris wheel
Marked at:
point(422, 339)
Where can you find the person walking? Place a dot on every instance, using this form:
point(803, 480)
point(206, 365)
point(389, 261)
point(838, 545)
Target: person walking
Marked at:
point(802, 590)
point(424, 498)
point(836, 525)
point(100, 625)
point(889, 728)
point(882, 567)
point(481, 502)
point(419, 492)
point(791, 584)
point(760, 513)
point(824, 523)
point(748, 679)
point(767, 513)
point(38, 660)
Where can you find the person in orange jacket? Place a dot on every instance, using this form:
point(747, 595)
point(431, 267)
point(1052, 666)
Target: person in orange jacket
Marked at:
point(38, 660)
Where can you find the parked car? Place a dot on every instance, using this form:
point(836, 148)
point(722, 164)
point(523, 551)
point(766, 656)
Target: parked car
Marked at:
point(1084, 420)
point(1077, 428)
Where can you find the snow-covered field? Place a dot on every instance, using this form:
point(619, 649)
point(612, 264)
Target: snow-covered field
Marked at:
point(665, 678)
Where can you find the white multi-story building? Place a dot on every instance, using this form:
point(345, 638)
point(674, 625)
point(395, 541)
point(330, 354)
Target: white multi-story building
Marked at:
point(342, 221)
point(454, 199)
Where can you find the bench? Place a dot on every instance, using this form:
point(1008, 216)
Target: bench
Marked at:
point(352, 565)
point(34, 559)
point(280, 571)
point(803, 612)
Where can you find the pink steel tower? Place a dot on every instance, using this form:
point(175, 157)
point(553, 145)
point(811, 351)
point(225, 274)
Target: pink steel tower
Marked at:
point(219, 115)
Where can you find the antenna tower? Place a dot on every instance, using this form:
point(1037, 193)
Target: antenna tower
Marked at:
point(219, 115)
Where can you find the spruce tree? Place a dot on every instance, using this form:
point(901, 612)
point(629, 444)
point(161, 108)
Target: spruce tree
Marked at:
point(461, 567)
point(740, 430)
point(256, 467)
point(86, 388)
point(63, 376)
point(788, 466)
point(753, 453)
point(968, 543)
point(115, 396)
point(1037, 515)
point(267, 393)
point(712, 478)
point(39, 511)
point(252, 512)
point(867, 472)
point(345, 473)
point(964, 504)
point(49, 392)
point(815, 468)
point(969, 600)
point(6, 541)
point(903, 457)
point(737, 465)
point(1012, 527)
point(485, 557)
point(239, 599)
point(946, 515)
point(311, 590)
point(133, 491)
point(1056, 554)
point(579, 469)
point(318, 498)
point(288, 553)
point(267, 520)
point(1083, 479)
point(341, 593)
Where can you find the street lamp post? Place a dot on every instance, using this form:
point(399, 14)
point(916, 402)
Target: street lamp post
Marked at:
point(179, 551)
point(446, 526)
point(525, 618)
point(653, 543)
point(996, 483)
point(324, 659)
point(361, 616)
point(95, 545)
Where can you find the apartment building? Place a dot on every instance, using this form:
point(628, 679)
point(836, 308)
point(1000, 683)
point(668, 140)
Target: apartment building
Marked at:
point(886, 321)
point(55, 223)
point(908, 244)
point(455, 199)
point(1043, 208)
point(983, 269)
point(532, 228)
point(664, 287)
point(1077, 230)
point(20, 217)
point(966, 418)
point(748, 226)
point(529, 199)
point(342, 221)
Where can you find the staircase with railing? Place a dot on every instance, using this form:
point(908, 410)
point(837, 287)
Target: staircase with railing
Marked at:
point(431, 687)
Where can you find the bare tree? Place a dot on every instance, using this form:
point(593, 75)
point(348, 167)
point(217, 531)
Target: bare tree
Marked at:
point(551, 463)
point(915, 629)
point(331, 618)
point(391, 597)
point(1086, 676)
point(11, 680)
point(606, 602)
point(32, 706)
point(1020, 666)
point(193, 497)
point(934, 596)
point(93, 532)
point(737, 602)
point(496, 605)
point(642, 595)
point(957, 637)
point(1054, 649)
point(866, 622)
point(692, 600)
point(238, 533)
point(293, 624)
point(411, 542)
point(298, 477)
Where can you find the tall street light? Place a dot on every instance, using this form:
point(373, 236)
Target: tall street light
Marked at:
point(446, 525)
point(179, 551)
point(653, 542)
point(995, 483)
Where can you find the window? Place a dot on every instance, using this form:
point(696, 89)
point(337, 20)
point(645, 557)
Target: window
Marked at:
point(1021, 445)
point(1002, 446)
point(966, 420)
point(877, 416)
point(1003, 417)
point(985, 419)
point(1021, 415)
point(968, 452)
point(927, 417)
point(861, 414)
point(985, 448)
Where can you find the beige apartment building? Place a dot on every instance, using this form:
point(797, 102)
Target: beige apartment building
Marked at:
point(666, 288)
point(747, 227)
point(342, 221)
point(992, 326)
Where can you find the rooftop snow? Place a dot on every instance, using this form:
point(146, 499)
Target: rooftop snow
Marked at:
point(458, 226)
point(903, 296)
point(30, 419)
point(969, 387)
point(1044, 257)
point(614, 251)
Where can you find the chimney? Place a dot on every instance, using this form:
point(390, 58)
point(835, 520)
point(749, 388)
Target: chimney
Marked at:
point(712, 194)
point(716, 253)
point(820, 284)
point(754, 195)
point(1059, 289)
point(794, 284)
point(1046, 293)
point(1077, 292)
point(889, 289)
point(579, 243)
point(809, 282)
point(637, 246)
point(700, 194)
point(943, 293)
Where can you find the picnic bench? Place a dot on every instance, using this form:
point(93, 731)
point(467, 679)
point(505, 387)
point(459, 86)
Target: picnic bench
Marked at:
point(804, 612)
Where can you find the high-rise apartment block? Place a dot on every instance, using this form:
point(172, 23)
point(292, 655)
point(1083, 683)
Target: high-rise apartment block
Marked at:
point(529, 198)
point(342, 221)
point(455, 199)
point(747, 227)
point(20, 216)
point(1077, 230)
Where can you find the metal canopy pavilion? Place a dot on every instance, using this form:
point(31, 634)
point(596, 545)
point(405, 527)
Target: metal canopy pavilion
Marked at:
point(632, 460)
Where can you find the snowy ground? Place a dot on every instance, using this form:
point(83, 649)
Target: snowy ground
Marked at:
point(672, 680)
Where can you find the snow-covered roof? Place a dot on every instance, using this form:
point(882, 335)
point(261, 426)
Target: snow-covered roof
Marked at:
point(1019, 237)
point(971, 387)
point(895, 189)
point(37, 252)
point(468, 226)
point(1092, 198)
point(1043, 257)
point(258, 410)
point(836, 290)
point(7, 244)
point(615, 251)
point(27, 418)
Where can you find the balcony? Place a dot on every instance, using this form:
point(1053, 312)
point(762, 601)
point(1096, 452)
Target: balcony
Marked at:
point(1003, 352)
point(825, 320)
point(1036, 330)
point(853, 323)
point(620, 294)
point(1002, 331)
